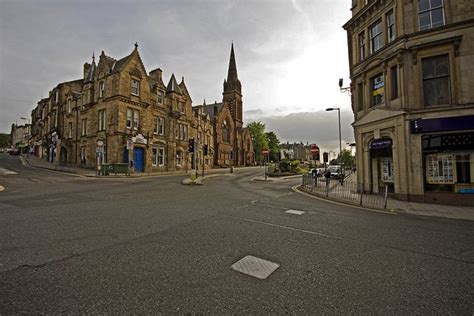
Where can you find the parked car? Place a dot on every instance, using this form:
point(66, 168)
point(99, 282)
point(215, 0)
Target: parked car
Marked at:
point(335, 171)
point(14, 151)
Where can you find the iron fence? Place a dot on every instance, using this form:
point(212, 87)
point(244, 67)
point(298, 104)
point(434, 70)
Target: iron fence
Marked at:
point(351, 192)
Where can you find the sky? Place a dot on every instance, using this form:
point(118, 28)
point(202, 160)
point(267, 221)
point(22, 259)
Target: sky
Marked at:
point(290, 54)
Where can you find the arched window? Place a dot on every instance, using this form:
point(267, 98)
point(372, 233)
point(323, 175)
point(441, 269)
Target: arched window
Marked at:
point(225, 132)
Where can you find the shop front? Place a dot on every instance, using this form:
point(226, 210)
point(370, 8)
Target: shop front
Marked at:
point(382, 171)
point(448, 158)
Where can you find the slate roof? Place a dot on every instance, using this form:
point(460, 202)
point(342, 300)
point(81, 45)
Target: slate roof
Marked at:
point(173, 85)
point(210, 109)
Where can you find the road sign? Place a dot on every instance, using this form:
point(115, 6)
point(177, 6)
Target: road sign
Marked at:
point(265, 151)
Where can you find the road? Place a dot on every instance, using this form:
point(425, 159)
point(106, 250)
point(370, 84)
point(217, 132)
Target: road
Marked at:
point(76, 245)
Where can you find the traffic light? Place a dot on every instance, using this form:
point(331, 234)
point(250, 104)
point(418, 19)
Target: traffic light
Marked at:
point(325, 157)
point(191, 145)
point(206, 150)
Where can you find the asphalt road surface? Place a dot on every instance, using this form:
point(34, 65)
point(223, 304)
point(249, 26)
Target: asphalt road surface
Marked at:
point(76, 245)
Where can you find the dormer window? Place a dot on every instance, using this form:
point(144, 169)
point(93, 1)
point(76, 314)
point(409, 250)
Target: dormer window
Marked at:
point(181, 107)
point(160, 96)
point(135, 87)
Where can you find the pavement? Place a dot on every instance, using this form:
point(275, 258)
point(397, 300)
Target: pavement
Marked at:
point(423, 209)
point(399, 206)
point(36, 162)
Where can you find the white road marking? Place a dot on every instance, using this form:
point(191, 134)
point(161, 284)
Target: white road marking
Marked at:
point(6, 171)
point(295, 212)
point(287, 227)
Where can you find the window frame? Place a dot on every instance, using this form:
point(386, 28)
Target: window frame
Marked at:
point(84, 127)
point(135, 86)
point(161, 156)
point(429, 11)
point(391, 28)
point(372, 89)
point(101, 89)
point(101, 120)
point(394, 87)
point(160, 96)
point(436, 78)
point(362, 45)
point(179, 158)
point(376, 38)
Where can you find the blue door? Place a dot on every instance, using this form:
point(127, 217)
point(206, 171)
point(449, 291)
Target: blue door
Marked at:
point(138, 158)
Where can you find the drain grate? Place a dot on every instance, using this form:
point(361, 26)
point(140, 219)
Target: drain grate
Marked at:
point(294, 212)
point(256, 267)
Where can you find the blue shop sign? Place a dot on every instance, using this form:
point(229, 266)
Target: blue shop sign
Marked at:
point(443, 124)
point(381, 143)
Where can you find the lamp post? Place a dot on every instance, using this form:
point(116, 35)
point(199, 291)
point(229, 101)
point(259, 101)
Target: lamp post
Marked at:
point(339, 118)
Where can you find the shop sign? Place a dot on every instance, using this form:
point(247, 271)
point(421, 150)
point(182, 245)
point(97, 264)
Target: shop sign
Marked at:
point(381, 143)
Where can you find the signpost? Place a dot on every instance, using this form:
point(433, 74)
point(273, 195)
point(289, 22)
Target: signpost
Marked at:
point(315, 153)
point(265, 153)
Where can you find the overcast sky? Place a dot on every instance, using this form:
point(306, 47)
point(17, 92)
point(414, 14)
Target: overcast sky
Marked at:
point(290, 54)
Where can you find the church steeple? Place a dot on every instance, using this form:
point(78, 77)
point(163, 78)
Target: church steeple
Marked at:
point(232, 82)
point(232, 73)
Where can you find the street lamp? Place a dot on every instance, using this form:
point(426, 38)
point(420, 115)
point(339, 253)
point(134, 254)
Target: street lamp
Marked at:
point(339, 117)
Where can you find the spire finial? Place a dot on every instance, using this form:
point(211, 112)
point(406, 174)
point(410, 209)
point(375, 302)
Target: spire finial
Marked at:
point(136, 45)
point(182, 79)
point(93, 57)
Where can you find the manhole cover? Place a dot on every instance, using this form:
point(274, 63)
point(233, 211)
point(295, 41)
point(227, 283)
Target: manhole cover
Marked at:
point(294, 212)
point(256, 267)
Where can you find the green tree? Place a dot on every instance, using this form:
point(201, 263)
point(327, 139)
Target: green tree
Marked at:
point(273, 146)
point(259, 138)
point(345, 158)
point(4, 140)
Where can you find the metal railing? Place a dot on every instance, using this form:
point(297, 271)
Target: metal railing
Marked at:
point(346, 191)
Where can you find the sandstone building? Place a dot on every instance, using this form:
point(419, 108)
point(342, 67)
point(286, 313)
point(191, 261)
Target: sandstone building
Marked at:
point(119, 113)
point(411, 67)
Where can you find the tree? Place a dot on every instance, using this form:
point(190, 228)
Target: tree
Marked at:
point(345, 158)
point(273, 146)
point(4, 140)
point(259, 139)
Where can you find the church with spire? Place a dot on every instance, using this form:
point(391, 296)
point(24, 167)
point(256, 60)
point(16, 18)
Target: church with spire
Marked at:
point(118, 113)
point(232, 142)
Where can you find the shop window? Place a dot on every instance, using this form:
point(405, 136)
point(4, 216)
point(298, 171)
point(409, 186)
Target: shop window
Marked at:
point(378, 90)
point(439, 169)
point(430, 14)
point(387, 169)
point(463, 168)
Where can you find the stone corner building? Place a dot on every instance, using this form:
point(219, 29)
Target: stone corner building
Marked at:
point(411, 67)
point(118, 112)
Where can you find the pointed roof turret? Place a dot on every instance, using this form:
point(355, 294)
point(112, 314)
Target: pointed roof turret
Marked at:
point(91, 74)
point(232, 82)
point(173, 85)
